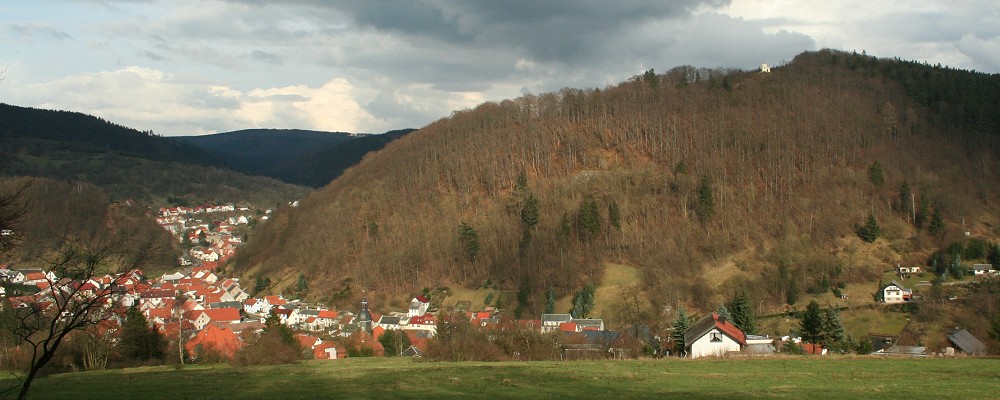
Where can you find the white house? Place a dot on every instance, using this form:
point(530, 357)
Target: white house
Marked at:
point(894, 293)
point(908, 270)
point(418, 306)
point(713, 336)
point(983, 270)
point(551, 322)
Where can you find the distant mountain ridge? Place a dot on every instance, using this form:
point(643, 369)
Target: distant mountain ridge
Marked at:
point(126, 163)
point(74, 131)
point(305, 157)
point(257, 151)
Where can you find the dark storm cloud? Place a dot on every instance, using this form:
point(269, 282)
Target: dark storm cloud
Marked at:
point(547, 30)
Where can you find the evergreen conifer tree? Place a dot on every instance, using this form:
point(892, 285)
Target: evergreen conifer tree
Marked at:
point(743, 315)
point(811, 325)
point(681, 324)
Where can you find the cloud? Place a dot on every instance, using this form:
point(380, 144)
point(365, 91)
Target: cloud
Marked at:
point(42, 32)
point(984, 54)
point(151, 99)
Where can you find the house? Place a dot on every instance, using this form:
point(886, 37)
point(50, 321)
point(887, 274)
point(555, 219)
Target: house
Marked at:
point(551, 322)
point(201, 318)
point(590, 344)
point(589, 324)
point(966, 343)
point(223, 341)
point(418, 306)
point(893, 293)
point(983, 270)
point(764, 68)
point(760, 344)
point(907, 270)
point(713, 336)
point(423, 322)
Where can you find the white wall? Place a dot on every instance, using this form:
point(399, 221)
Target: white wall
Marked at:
point(705, 347)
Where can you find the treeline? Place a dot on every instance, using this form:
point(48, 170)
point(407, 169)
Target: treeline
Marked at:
point(79, 132)
point(59, 212)
point(123, 162)
point(670, 172)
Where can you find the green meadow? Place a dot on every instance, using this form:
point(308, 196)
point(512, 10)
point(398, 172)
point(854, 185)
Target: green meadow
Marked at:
point(379, 378)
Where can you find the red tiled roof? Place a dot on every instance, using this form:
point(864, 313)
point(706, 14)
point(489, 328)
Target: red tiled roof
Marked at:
point(729, 329)
point(223, 314)
point(214, 338)
point(423, 299)
point(306, 341)
point(567, 327)
point(327, 314)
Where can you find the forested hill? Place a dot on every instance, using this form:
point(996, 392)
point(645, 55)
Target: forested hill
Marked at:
point(312, 158)
point(28, 129)
point(258, 151)
point(707, 181)
point(125, 163)
point(318, 167)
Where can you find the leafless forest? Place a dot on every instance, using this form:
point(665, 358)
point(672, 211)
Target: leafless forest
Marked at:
point(670, 172)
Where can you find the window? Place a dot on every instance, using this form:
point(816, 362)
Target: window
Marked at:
point(716, 337)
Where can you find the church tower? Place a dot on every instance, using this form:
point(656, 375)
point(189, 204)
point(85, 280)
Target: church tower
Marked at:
point(365, 317)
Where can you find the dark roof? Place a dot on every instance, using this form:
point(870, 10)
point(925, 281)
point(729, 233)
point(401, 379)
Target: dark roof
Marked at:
point(967, 343)
point(713, 321)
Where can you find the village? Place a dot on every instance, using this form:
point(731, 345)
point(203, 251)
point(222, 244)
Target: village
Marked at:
point(204, 313)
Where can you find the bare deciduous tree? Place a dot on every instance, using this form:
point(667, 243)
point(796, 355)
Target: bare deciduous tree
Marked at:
point(70, 303)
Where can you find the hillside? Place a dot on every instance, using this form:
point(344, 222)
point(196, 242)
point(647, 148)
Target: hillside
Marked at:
point(258, 151)
point(704, 181)
point(311, 158)
point(60, 212)
point(319, 166)
point(124, 162)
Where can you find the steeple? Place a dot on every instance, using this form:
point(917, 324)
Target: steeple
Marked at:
point(365, 317)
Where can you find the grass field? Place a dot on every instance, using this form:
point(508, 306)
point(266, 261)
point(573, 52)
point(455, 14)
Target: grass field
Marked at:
point(792, 378)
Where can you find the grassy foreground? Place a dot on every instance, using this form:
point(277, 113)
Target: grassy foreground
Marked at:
point(798, 377)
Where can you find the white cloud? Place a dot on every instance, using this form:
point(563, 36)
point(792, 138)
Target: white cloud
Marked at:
point(983, 53)
point(146, 98)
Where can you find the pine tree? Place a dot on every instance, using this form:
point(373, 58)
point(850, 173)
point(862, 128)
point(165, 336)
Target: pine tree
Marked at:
point(833, 329)
point(743, 315)
point(529, 212)
point(614, 215)
point(469, 240)
point(589, 291)
point(550, 300)
point(705, 208)
point(681, 324)
point(138, 341)
point(957, 269)
point(723, 313)
point(937, 222)
point(811, 325)
point(870, 231)
point(905, 199)
point(302, 285)
point(875, 174)
point(923, 212)
point(993, 255)
point(588, 219)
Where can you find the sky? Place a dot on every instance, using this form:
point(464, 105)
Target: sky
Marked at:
point(192, 67)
